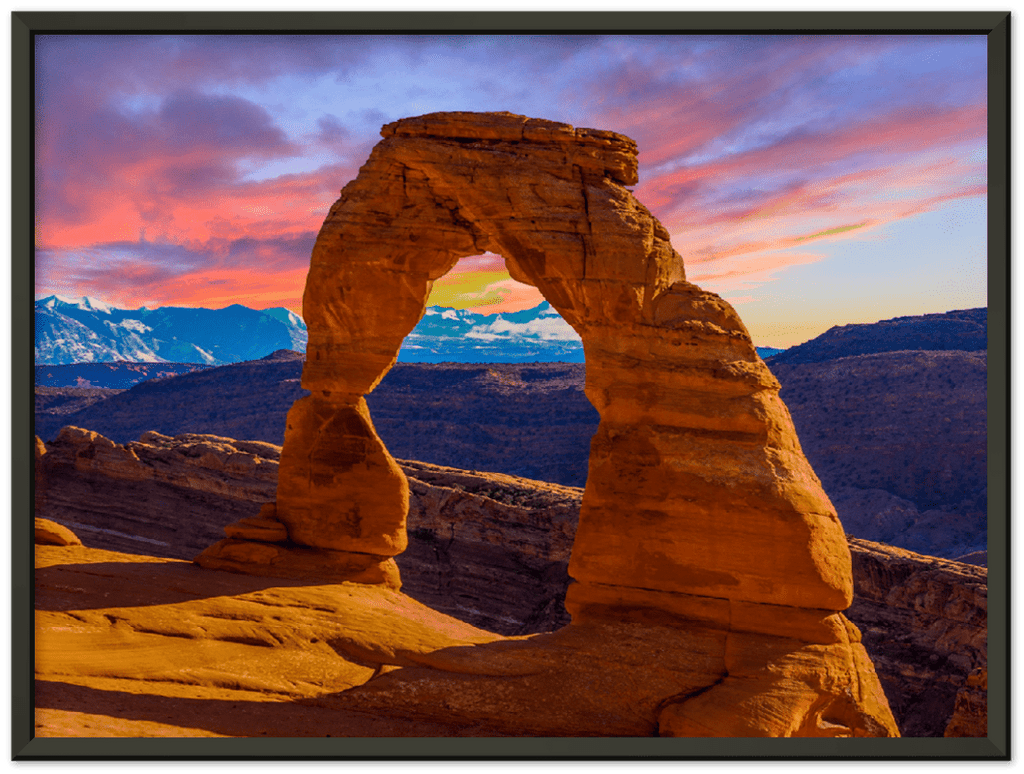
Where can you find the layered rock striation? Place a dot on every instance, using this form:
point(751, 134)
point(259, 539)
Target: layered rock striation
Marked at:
point(700, 513)
point(925, 622)
point(157, 495)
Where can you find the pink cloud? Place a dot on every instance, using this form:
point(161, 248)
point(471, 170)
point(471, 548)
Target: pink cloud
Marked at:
point(740, 157)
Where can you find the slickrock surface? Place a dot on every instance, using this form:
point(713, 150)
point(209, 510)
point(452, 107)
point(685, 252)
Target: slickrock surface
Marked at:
point(475, 536)
point(130, 645)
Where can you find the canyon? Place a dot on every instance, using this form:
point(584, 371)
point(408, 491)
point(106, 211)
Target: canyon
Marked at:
point(897, 438)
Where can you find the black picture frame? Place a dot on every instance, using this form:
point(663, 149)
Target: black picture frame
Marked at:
point(999, 750)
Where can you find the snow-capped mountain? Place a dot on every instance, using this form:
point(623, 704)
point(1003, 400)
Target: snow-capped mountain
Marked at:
point(85, 330)
point(463, 336)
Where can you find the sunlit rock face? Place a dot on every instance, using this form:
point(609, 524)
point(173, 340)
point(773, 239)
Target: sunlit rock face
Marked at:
point(700, 508)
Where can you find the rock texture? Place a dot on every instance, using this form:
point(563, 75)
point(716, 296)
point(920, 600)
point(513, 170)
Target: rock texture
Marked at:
point(489, 549)
point(156, 495)
point(970, 715)
point(925, 622)
point(700, 506)
point(50, 533)
point(128, 644)
point(475, 536)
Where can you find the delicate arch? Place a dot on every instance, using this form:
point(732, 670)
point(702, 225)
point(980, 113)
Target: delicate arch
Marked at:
point(698, 491)
point(698, 496)
point(704, 535)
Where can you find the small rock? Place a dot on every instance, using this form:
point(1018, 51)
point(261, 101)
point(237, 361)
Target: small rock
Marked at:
point(50, 533)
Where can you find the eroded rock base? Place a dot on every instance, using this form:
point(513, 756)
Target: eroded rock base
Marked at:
point(288, 560)
point(259, 545)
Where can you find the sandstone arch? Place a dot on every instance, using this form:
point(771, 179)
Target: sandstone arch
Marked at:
point(699, 503)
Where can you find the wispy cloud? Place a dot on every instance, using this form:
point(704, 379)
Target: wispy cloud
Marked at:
point(207, 171)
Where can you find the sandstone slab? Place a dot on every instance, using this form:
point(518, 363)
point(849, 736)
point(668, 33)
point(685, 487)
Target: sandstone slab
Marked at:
point(124, 641)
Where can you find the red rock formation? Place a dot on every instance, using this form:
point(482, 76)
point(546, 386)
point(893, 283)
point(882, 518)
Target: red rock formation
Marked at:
point(50, 533)
point(699, 502)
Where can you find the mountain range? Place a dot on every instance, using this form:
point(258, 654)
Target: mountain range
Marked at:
point(89, 331)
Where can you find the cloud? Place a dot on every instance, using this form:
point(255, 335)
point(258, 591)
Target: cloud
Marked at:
point(106, 174)
point(749, 146)
point(255, 272)
point(331, 131)
point(548, 328)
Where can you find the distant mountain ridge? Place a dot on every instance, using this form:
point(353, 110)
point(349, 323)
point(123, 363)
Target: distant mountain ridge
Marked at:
point(119, 375)
point(89, 331)
point(959, 330)
point(539, 334)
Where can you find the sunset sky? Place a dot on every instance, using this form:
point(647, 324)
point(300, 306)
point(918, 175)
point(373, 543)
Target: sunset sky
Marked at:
point(811, 181)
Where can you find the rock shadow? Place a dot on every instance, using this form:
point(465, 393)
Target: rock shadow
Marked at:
point(240, 717)
point(99, 585)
